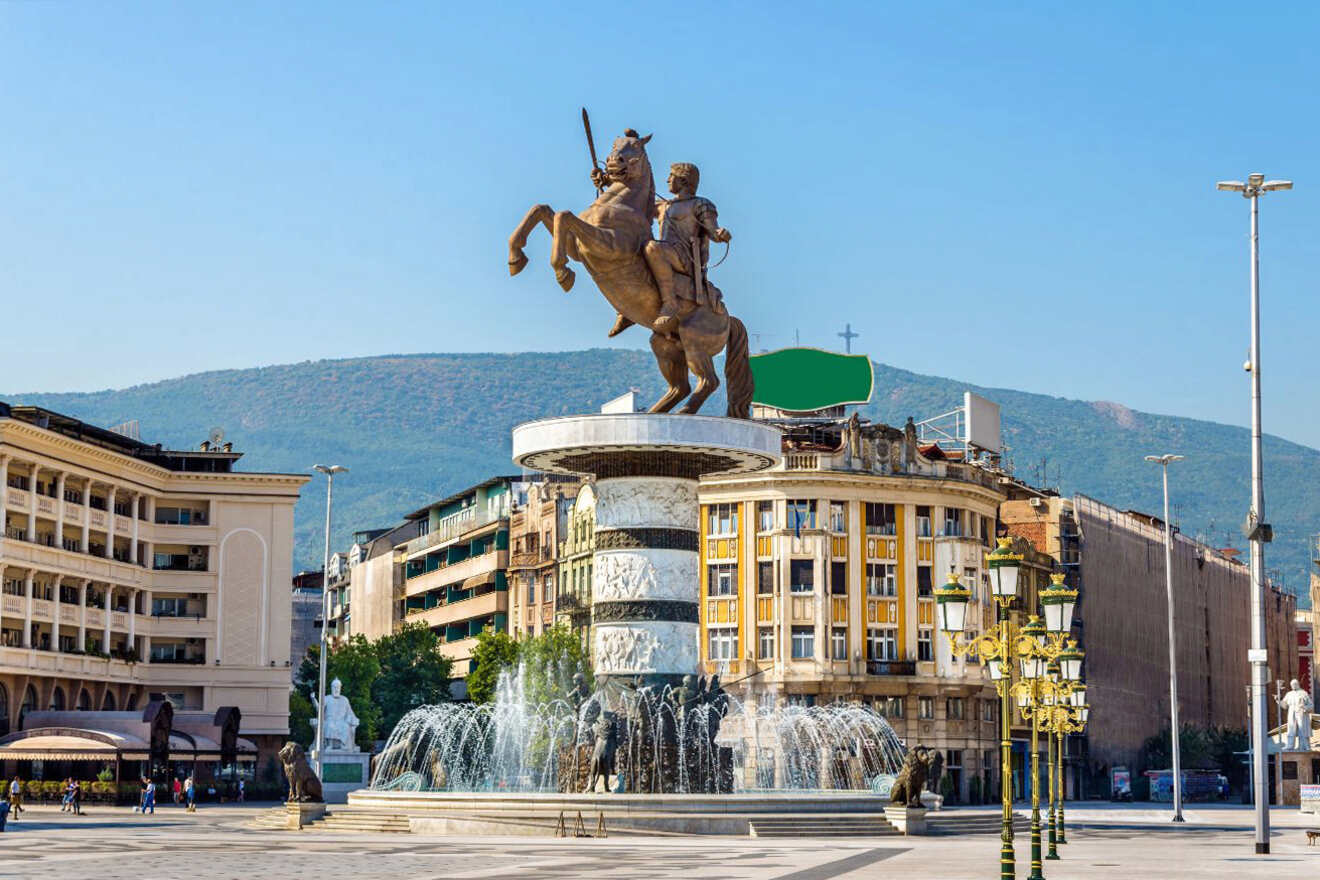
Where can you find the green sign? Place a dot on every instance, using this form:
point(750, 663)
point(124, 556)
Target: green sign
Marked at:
point(806, 379)
point(341, 773)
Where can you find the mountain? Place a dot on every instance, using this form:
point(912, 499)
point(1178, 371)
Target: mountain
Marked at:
point(415, 427)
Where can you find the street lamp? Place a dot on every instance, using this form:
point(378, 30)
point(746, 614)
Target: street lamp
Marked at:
point(329, 471)
point(1034, 647)
point(1164, 461)
point(1257, 530)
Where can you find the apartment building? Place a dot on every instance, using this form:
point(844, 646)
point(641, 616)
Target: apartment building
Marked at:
point(455, 574)
point(536, 529)
point(818, 579)
point(132, 572)
point(1116, 559)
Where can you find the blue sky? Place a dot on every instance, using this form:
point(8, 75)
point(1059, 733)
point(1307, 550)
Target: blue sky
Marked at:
point(1020, 198)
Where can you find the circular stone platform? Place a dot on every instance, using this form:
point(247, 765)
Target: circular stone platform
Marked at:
point(646, 576)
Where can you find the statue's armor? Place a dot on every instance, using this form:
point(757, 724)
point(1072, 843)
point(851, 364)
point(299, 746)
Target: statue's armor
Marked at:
point(686, 219)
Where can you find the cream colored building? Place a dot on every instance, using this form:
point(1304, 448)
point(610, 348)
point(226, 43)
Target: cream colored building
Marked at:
point(818, 577)
point(129, 570)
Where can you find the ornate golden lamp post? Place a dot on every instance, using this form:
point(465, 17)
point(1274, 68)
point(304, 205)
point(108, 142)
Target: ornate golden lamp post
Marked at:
point(1032, 646)
point(1075, 722)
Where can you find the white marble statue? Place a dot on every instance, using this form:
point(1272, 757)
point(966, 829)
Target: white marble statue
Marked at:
point(1298, 705)
point(340, 722)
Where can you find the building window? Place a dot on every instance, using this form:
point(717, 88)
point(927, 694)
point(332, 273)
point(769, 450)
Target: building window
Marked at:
point(881, 579)
point(765, 516)
point(925, 646)
point(926, 708)
point(804, 642)
point(548, 593)
point(839, 578)
point(765, 578)
point(838, 517)
point(531, 589)
point(722, 579)
point(722, 644)
point(923, 522)
point(881, 519)
point(766, 638)
point(802, 514)
point(722, 519)
point(954, 708)
point(801, 575)
point(953, 518)
point(924, 580)
point(881, 644)
point(839, 643)
point(889, 707)
point(988, 710)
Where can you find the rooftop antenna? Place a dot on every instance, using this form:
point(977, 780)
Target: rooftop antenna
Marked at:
point(216, 436)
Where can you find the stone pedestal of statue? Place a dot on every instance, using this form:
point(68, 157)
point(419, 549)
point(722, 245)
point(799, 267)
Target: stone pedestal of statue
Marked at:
point(300, 815)
point(342, 771)
point(646, 574)
point(908, 820)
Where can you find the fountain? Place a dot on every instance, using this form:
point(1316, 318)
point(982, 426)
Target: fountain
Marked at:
point(648, 744)
point(513, 745)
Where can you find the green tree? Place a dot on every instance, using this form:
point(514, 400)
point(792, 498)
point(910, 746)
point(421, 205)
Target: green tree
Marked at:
point(413, 673)
point(355, 664)
point(494, 653)
point(300, 719)
point(550, 661)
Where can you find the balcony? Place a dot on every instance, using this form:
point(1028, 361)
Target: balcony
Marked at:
point(451, 530)
point(891, 667)
point(494, 602)
point(458, 572)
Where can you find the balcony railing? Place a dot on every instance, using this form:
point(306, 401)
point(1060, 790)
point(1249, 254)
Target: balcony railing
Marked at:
point(891, 667)
point(451, 529)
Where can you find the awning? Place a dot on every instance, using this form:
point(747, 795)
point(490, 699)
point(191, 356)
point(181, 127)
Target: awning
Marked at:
point(479, 580)
point(72, 744)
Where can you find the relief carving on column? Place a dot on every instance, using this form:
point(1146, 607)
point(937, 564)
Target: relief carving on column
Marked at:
point(639, 502)
point(645, 574)
point(645, 648)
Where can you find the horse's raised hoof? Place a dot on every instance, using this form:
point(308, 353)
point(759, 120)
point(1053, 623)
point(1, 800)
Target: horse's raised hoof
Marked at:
point(565, 277)
point(517, 262)
point(620, 324)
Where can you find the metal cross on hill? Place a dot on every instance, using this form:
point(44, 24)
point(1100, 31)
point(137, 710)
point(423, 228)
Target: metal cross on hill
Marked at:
point(848, 336)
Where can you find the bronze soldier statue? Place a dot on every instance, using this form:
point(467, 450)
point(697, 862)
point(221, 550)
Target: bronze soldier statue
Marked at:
point(688, 224)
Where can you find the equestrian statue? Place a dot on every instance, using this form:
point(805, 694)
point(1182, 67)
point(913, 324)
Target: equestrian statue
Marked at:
point(662, 284)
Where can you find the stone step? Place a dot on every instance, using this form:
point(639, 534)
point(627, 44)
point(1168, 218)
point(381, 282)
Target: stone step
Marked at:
point(838, 826)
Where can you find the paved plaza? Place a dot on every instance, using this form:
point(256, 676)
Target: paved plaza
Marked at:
point(219, 844)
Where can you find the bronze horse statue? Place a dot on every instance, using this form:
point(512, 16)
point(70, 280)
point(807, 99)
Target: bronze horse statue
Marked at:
point(608, 239)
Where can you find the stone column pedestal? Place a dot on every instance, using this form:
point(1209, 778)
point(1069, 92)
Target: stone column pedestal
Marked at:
point(342, 772)
point(908, 820)
point(646, 570)
point(301, 815)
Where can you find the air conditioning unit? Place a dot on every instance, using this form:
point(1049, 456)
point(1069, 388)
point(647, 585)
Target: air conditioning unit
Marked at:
point(1038, 503)
point(196, 551)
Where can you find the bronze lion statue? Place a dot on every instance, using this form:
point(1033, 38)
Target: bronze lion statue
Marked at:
point(303, 784)
point(911, 778)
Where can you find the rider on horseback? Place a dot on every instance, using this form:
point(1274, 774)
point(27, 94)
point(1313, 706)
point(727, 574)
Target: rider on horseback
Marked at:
point(688, 223)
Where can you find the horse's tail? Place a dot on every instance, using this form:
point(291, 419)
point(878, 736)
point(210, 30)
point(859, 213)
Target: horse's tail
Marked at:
point(738, 382)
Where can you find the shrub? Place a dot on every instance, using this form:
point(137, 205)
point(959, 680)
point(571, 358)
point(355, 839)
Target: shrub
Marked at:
point(33, 789)
point(106, 775)
point(52, 789)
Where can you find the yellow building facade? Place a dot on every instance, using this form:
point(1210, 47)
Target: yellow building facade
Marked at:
point(818, 579)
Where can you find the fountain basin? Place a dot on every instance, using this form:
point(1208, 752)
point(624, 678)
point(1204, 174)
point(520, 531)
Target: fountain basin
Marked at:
point(537, 814)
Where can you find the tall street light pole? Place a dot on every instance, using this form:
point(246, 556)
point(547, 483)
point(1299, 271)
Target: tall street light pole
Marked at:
point(1257, 530)
point(1164, 461)
point(329, 471)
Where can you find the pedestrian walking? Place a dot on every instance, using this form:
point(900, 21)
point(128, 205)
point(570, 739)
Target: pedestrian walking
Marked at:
point(75, 797)
point(142, 796)
point(16, 797)
point(66, 803)
point(178, 792)
point(149, 806)
point(241, 792)
point(4, 813)
point(190, 792)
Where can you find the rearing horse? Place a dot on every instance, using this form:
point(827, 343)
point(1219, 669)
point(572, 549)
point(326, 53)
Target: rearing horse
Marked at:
point(608, 238)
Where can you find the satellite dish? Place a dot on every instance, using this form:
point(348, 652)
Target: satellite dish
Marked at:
point(216, 436)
